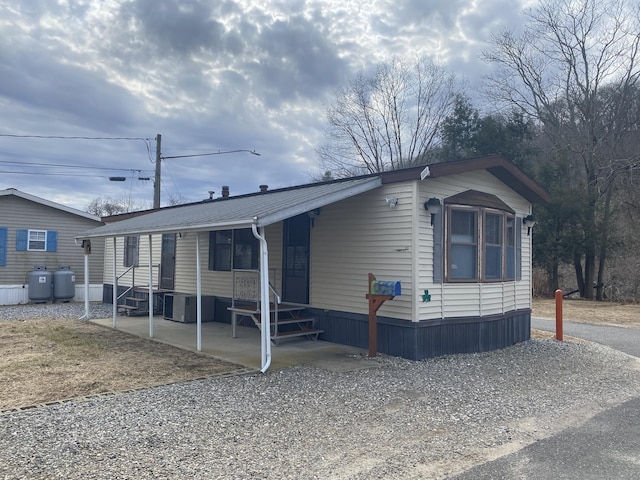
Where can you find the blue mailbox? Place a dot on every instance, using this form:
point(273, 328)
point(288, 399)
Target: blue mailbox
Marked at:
point(382, 287)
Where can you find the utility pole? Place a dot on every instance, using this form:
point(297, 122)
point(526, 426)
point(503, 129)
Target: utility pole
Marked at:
point(156, 183)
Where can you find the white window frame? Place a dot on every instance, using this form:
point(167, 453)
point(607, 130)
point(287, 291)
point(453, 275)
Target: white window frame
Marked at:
point(32, 242)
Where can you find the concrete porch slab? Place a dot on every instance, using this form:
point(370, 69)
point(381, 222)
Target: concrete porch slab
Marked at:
point(245, 348)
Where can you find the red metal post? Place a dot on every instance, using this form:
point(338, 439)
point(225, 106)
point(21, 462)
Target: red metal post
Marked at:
point(559, 315)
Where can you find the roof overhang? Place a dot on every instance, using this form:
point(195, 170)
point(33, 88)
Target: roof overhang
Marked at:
point(261, 209)
point(499, 167)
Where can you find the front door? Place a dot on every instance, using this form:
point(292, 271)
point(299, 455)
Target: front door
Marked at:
point(295, 263)
point(168, 261)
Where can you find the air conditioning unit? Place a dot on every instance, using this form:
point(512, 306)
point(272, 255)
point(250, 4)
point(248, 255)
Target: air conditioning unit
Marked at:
point(181, 307)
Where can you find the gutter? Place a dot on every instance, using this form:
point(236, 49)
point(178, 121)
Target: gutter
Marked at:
point(265, 314)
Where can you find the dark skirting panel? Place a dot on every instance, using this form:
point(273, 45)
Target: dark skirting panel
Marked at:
point(427, 338)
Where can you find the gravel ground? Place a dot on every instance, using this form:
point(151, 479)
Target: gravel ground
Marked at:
point(396, 420)
point(54, 310)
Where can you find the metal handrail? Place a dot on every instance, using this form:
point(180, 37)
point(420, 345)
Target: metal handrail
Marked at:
point(132, 269)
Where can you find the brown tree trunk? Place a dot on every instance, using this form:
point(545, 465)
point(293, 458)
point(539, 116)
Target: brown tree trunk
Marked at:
point(589, 274)
point(577, 264)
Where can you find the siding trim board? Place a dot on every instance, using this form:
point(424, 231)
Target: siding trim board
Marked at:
point(427, 338)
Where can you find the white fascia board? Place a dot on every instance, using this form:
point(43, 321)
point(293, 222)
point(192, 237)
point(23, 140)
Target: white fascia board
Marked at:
point(177, 229)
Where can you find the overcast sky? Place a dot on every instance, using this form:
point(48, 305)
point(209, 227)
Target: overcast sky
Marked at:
point(209, 76)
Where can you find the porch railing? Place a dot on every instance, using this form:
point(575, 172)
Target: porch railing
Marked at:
point(132, 270)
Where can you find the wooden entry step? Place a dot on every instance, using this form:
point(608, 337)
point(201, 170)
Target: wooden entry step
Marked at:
point(287, 321)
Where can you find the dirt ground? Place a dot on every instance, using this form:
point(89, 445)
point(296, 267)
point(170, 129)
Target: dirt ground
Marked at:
point(44, 360)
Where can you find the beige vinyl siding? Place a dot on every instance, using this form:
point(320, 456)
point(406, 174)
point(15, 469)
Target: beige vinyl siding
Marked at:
point(140, 274)
point(358, 236)
point(17, 213)
point(450, 300)
point(214, 282)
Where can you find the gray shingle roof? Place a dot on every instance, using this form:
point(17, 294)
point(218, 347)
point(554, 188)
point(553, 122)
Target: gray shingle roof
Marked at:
point(237, 212)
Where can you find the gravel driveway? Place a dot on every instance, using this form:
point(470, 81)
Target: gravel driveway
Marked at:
point(398, 419)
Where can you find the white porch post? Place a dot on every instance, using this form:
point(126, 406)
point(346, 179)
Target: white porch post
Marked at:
point(150, 288)
point(198, 295)
point(86, 287)
point(115, 285)
point(265, 314)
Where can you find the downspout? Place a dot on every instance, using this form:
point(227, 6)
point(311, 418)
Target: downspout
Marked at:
point(114, 289)
point(265, 314)
point(150, 293)
point(198, 296)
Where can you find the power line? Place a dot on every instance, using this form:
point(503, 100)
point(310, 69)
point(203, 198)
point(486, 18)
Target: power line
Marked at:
point(62, 137)
point(56, 174)
point(68, 166)
point(252, 152)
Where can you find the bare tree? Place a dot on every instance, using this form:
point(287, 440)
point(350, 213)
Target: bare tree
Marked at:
point(388, 120)
point(574, 70)
point(107, 206)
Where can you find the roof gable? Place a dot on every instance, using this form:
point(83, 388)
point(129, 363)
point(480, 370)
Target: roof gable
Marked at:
point(32, 198)
point(499, 167)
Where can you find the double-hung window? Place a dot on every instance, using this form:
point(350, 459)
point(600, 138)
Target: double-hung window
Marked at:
point(480, 241)
point(463, 251)
point(37, 240)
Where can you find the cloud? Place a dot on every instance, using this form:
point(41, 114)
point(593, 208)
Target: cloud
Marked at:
point(208, 76)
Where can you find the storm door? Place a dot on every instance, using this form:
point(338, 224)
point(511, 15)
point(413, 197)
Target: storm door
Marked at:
point(168, 261)
point(295, 262)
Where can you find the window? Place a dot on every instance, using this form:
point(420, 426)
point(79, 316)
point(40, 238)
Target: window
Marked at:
point(233, 248)
point(481, 244)
point(221, 257)
point(131, 251)
point(464, 245)
point(37, 240)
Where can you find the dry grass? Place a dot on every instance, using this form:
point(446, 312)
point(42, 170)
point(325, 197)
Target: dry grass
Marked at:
point(46, 360)
point(606, 313)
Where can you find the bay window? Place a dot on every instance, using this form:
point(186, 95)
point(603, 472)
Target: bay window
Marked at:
point(480, 244)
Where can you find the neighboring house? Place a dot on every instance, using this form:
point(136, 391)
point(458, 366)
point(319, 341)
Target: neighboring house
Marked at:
point(465, 270)
point(35, 232)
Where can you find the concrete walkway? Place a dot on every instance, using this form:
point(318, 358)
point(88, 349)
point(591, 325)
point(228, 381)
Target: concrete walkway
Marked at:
point(245, 348)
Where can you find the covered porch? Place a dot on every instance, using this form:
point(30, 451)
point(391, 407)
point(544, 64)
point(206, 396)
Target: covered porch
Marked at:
point(194, 224)
point(217, 341)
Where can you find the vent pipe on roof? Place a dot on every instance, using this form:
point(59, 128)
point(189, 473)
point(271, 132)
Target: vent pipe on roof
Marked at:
point(264, 188)
point(225, 191)
point(211, 192)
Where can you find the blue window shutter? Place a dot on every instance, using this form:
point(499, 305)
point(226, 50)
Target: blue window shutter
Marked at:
point(518, 248)
point(52, 241)
point(3, 246)
point(22, 240)
point(438, 242)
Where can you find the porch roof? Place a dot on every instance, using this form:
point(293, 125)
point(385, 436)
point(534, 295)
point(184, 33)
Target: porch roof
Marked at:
point(242, 211)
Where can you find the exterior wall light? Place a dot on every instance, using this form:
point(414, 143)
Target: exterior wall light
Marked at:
point(391, 201)
point(529, 221)
point(433, 206)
